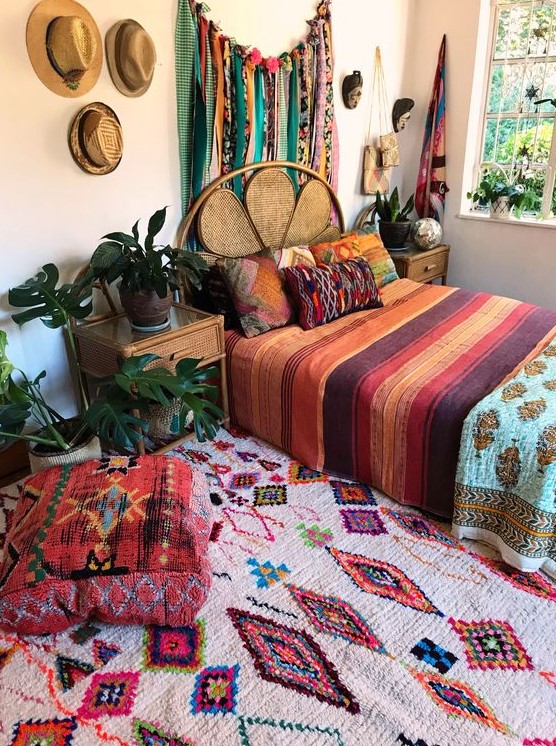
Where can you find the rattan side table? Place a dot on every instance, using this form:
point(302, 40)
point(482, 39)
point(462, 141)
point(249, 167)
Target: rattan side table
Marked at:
point(103, 344)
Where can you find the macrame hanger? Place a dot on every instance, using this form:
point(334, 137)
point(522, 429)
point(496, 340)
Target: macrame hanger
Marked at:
point(379, 87)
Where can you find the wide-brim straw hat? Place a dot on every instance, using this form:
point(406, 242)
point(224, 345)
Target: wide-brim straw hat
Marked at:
point(131, 57)
point(95, 139)
point(64, 46)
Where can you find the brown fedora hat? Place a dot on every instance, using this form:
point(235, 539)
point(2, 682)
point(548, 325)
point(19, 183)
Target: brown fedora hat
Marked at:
point(95, 139)
point(131, 57)
point(64, 46)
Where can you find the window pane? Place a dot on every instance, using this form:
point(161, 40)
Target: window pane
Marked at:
point(513, 33)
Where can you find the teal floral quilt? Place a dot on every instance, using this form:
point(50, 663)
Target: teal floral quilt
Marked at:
point(506, 477)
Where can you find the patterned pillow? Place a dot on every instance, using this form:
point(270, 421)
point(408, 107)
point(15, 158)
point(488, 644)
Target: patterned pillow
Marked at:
point(293, 256)
point(257, 290)
point(214, 297)
point(368, 245)
point(324, 293)
point(121, 539)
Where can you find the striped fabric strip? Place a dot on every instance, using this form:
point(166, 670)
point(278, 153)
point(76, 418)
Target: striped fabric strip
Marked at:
point(240, 116)
point(282, 118)
point(259, 118)
point(380, 396)
point(210, 105)
point(185, 71)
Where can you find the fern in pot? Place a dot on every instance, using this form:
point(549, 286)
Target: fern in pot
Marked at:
point(148, 273)
point(394, 225)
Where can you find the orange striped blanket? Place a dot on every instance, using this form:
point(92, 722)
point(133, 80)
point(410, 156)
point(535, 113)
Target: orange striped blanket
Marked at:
point(380, 396)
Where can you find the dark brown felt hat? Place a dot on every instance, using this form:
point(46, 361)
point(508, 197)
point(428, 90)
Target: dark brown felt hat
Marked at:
point(131, 57)
point(64, 46)
point(95, 139)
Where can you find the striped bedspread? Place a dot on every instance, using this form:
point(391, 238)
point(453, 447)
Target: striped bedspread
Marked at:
point(380, 396)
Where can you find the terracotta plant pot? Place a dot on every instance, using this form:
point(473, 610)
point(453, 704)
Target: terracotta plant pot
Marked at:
point(145, 309)
point(394, 235)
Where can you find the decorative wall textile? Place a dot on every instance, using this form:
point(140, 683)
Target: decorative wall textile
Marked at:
point(431, 181)
point(236, 107)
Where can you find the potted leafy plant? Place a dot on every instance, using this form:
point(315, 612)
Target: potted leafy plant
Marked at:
point(394, 225)
point(116, 416)
point(148, 272)
point(503, 192)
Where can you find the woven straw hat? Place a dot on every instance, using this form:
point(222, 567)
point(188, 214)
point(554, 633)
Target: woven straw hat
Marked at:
point(131, 57)
point(64, 46)
point(95, 139)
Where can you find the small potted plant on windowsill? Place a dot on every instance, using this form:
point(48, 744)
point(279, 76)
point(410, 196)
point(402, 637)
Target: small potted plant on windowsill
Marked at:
point(119, 417)
point(394, 225)
point(148, 273)
point(503, 194)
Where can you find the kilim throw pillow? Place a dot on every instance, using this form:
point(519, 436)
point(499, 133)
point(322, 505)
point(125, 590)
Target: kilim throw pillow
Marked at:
point(121, 539)
point(368, 245)
point(325, 293)
point(257, 289)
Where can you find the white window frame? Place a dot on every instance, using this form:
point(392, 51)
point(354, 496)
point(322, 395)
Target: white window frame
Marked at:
point(546, 205)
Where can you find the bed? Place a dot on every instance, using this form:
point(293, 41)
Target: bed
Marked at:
point(378, 396)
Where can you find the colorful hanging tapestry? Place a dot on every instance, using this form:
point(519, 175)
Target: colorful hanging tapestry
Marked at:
point(431, 181)
point(235, 107)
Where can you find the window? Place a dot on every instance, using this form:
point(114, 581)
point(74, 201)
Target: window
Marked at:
point(518, 128)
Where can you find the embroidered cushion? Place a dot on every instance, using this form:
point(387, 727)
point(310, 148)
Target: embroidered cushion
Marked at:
point(121, 539)
point(368, 245)
point(257, 290)
point(325, 293)
point(293, 256)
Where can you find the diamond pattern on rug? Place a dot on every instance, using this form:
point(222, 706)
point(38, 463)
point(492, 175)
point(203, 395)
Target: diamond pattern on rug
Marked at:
point(422, 528)
point(346, 493)
point(215, 690)
point(299, 474)
point(315, 537)
point(56, 732)
point(428, 652)
point(335, 617)
point(177, 649)
point(530, 582)
point(270, 494)
point(458, 699)
point(244, 480)
point(383, 579)
point(255, 730)
point(70, 671)
point(111, 694)
point(103, 652)
point(539, 742)
point(147, 734)
point(291, 658)
point(491, 644)
point(363, 522)
point(266, 573)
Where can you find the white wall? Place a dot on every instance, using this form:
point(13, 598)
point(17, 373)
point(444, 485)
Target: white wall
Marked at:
point(515, 260)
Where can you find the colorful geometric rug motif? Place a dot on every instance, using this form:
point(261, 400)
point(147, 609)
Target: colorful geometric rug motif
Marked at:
point(384, 579)
point(491, 644)
point(314, 652)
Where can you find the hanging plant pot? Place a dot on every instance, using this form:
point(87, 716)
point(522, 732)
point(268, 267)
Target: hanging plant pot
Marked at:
point(501, 209)
point(394, 235)
point(145, 310)
point(43, 457)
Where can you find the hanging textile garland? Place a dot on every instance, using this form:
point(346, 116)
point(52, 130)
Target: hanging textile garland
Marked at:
point(236, 107)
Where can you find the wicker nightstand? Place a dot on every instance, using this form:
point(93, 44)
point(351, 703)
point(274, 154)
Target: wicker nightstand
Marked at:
point(423, 266)
point(103, 344)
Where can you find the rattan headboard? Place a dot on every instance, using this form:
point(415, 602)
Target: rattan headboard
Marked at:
point(271, 216)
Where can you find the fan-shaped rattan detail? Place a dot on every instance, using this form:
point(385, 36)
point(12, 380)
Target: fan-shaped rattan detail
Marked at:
point(270, 201)
point(330, 233)
point(224, 227)
point(312, 214)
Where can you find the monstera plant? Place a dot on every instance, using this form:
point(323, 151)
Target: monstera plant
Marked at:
point(116, 416)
